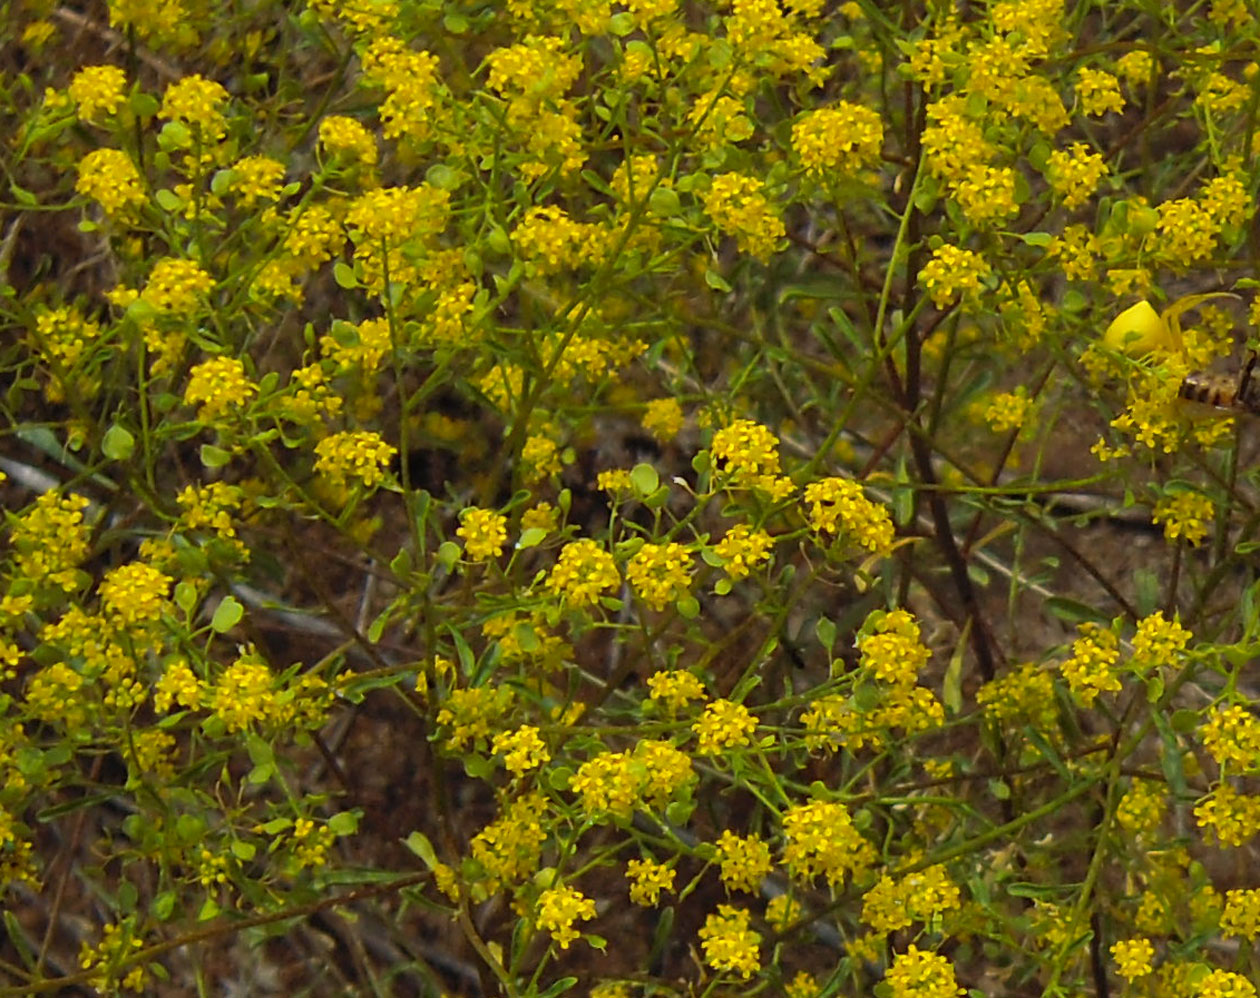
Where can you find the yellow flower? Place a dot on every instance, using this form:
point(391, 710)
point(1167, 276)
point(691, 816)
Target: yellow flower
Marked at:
point(729, 943)
point(559, 908)
point(484, 532)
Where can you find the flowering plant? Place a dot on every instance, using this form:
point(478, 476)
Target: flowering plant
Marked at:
point(482, 480)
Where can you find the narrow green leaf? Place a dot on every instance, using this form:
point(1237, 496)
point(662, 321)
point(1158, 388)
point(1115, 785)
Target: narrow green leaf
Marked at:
point(419, 844)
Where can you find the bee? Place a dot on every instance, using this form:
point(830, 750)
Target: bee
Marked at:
point(1237, 393)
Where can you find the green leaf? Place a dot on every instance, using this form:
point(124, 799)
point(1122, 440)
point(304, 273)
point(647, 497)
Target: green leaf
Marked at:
point(1074, 612)
point(925, 198)
point(69, 806)
point(559, 987)
point(17, 935)
point(531, 538)
point(645, 479)
point(118, 444)
point(345, 822)
point(208, 910)
point(259, 749)
point(716, 281)
point(662, 936)
point(344, 275)
point(952, 690)
point(189, 828)
point(825, 632)
point(227, 615)
point(664, 202)
point(163, 906)
point(448, 554)
point(214, 457)
point(443, 177)
point(244, 851)
point(478, 766)
point(1047, 752)
point(422, 847)
point(276, 825)
point(185, 596)
point(59, 754)
point(621, 24)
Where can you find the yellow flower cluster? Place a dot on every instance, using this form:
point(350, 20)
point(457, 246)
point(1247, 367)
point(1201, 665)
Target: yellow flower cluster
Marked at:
point(176, 286)
point(837, 506)
point(582, 573)
point(1098, 91)
point(922, 974)
point(663, 418)
point(522, 749)
point(1074, 173)
point(472, 712)
point(743, 861)
point(1241, 916)
point(739, 207)
point(748, 453)
point(729, 944)
point(50, 540)
point(1231, 735)
point(97, 91)
point(104, 961)
point(352, 457)
point(257, 178)
point(198, 103)
point(344, 137)
point(559, 908)
point(484, 533)
point(891, 649)
point(1023, 696)
point(135, 594)
point(510, 848)
point(820, 839)
point(742, 549)
point(896, 903)
point(550, 242)
point(617, 782)
point(1142, 807)
point(219, 385)
point(1184, 515)
point(1233, 818)
point(647, 879)
point(837, 142)
point(1133, 957)
point(1092, 668)
point(111, 178)
point(953, 272)
point(1008, 410)
point(723, 724)
point(660, 574)
point(675, 688)
point(1158, 643)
